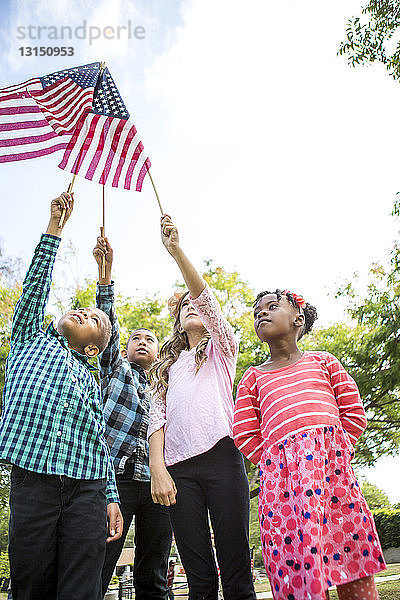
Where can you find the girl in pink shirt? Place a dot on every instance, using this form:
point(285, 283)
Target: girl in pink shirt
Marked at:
point(195, 467)
point(299, 415)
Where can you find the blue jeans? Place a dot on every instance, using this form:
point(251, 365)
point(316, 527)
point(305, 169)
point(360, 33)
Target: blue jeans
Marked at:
point(153, 535)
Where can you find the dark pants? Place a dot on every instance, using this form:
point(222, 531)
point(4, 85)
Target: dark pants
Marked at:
point(153, 535)
point(213, 483)
point(57, 536)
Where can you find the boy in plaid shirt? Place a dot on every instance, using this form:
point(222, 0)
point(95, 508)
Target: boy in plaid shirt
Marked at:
point(52, 432)
point(126, 412)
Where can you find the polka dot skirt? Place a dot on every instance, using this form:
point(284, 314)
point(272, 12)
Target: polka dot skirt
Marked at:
point(316, 527)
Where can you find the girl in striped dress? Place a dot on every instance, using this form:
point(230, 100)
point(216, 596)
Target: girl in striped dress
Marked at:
point(298, 415)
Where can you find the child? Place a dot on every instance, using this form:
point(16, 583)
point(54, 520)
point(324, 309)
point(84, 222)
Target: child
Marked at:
point(192, 418)
point(52, 432)
point(170, 579)
point(126, 411)
point(299, 413)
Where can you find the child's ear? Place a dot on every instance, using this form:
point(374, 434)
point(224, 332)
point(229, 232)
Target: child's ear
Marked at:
point(299, 320)
point(91, 351)
point(124, 353)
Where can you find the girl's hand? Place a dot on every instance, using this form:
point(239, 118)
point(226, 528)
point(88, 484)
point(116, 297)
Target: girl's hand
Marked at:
point(163, 489)
point(169, 234)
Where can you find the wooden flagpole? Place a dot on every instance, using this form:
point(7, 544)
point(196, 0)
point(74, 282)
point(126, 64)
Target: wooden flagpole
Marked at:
point(155, 191)
point(103, 233)
point(69, 190)
point(71, 185)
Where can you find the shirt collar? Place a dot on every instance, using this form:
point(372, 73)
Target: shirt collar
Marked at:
point(64, 342)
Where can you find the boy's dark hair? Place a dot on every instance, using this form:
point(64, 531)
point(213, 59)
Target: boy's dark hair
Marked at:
point(105, 334)
point(310, 312)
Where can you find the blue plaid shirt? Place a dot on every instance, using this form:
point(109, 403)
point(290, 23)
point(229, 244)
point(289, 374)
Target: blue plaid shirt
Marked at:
point(126, 401)
point(52, 419)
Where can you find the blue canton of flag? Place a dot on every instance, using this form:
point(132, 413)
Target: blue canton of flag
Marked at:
point(107, 99)
point(85, 75)
point(105, 146)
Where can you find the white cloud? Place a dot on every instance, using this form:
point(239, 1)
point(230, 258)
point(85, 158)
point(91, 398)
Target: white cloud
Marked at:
point(271, 140)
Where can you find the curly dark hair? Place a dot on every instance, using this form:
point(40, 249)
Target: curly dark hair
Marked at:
point(310, 312)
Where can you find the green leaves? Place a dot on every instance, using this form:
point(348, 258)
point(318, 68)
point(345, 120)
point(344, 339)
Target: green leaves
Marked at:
point(368, 36)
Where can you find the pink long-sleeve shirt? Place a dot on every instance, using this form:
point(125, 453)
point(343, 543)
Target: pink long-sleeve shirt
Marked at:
point(198, 409)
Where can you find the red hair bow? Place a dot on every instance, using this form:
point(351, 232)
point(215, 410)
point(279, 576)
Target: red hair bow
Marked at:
point(298, 299)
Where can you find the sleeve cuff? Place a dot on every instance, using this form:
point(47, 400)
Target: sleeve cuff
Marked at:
point(111, 497)
point(111, 491)
point(49, 242)
point(159, 424)
point(105, 292)
point(205, 292)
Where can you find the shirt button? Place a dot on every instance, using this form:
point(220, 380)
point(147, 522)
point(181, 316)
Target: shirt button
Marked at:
point(59, 433)
point(66, 404)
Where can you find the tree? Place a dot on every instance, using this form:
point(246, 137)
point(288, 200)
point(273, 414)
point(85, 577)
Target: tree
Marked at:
point(132, 312)
point(369, 349)
point(368, 37)
point(236, 298)
point(375, 497)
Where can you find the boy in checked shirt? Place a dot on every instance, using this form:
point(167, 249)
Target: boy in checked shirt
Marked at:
point(126, 412)
point(52, 432)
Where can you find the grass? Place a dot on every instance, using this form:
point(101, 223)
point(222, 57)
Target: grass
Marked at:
point(387, 591)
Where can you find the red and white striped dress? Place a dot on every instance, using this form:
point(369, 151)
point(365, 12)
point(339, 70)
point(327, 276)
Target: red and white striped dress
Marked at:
point(300, 423)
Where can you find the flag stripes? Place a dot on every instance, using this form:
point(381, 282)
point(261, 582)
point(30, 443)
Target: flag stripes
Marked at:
point(78, 110)
point(63, 103)
point(38, 116)
point(106, 150)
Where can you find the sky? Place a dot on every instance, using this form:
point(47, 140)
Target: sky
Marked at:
point(272, 155)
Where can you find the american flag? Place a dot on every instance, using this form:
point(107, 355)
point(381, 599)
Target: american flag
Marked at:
point(105, 146)
point(38, 116)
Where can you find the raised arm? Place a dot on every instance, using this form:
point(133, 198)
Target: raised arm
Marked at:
point(201, 295)
point(170, 238)
point(103, 254)
point(30, 309)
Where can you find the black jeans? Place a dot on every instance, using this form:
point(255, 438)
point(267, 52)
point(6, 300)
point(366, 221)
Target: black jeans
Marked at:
point(153, 534)
point(213, 483)
point(57, 536)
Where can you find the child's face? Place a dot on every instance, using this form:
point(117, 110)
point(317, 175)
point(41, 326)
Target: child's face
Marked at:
point(275, 318)
point(188, 316)
point(142, 348)
point(84, 329)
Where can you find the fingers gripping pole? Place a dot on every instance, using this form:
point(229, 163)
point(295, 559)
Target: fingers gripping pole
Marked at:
point(69, 190)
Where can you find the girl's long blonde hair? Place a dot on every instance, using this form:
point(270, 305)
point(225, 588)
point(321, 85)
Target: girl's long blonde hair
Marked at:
point(170, 351)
